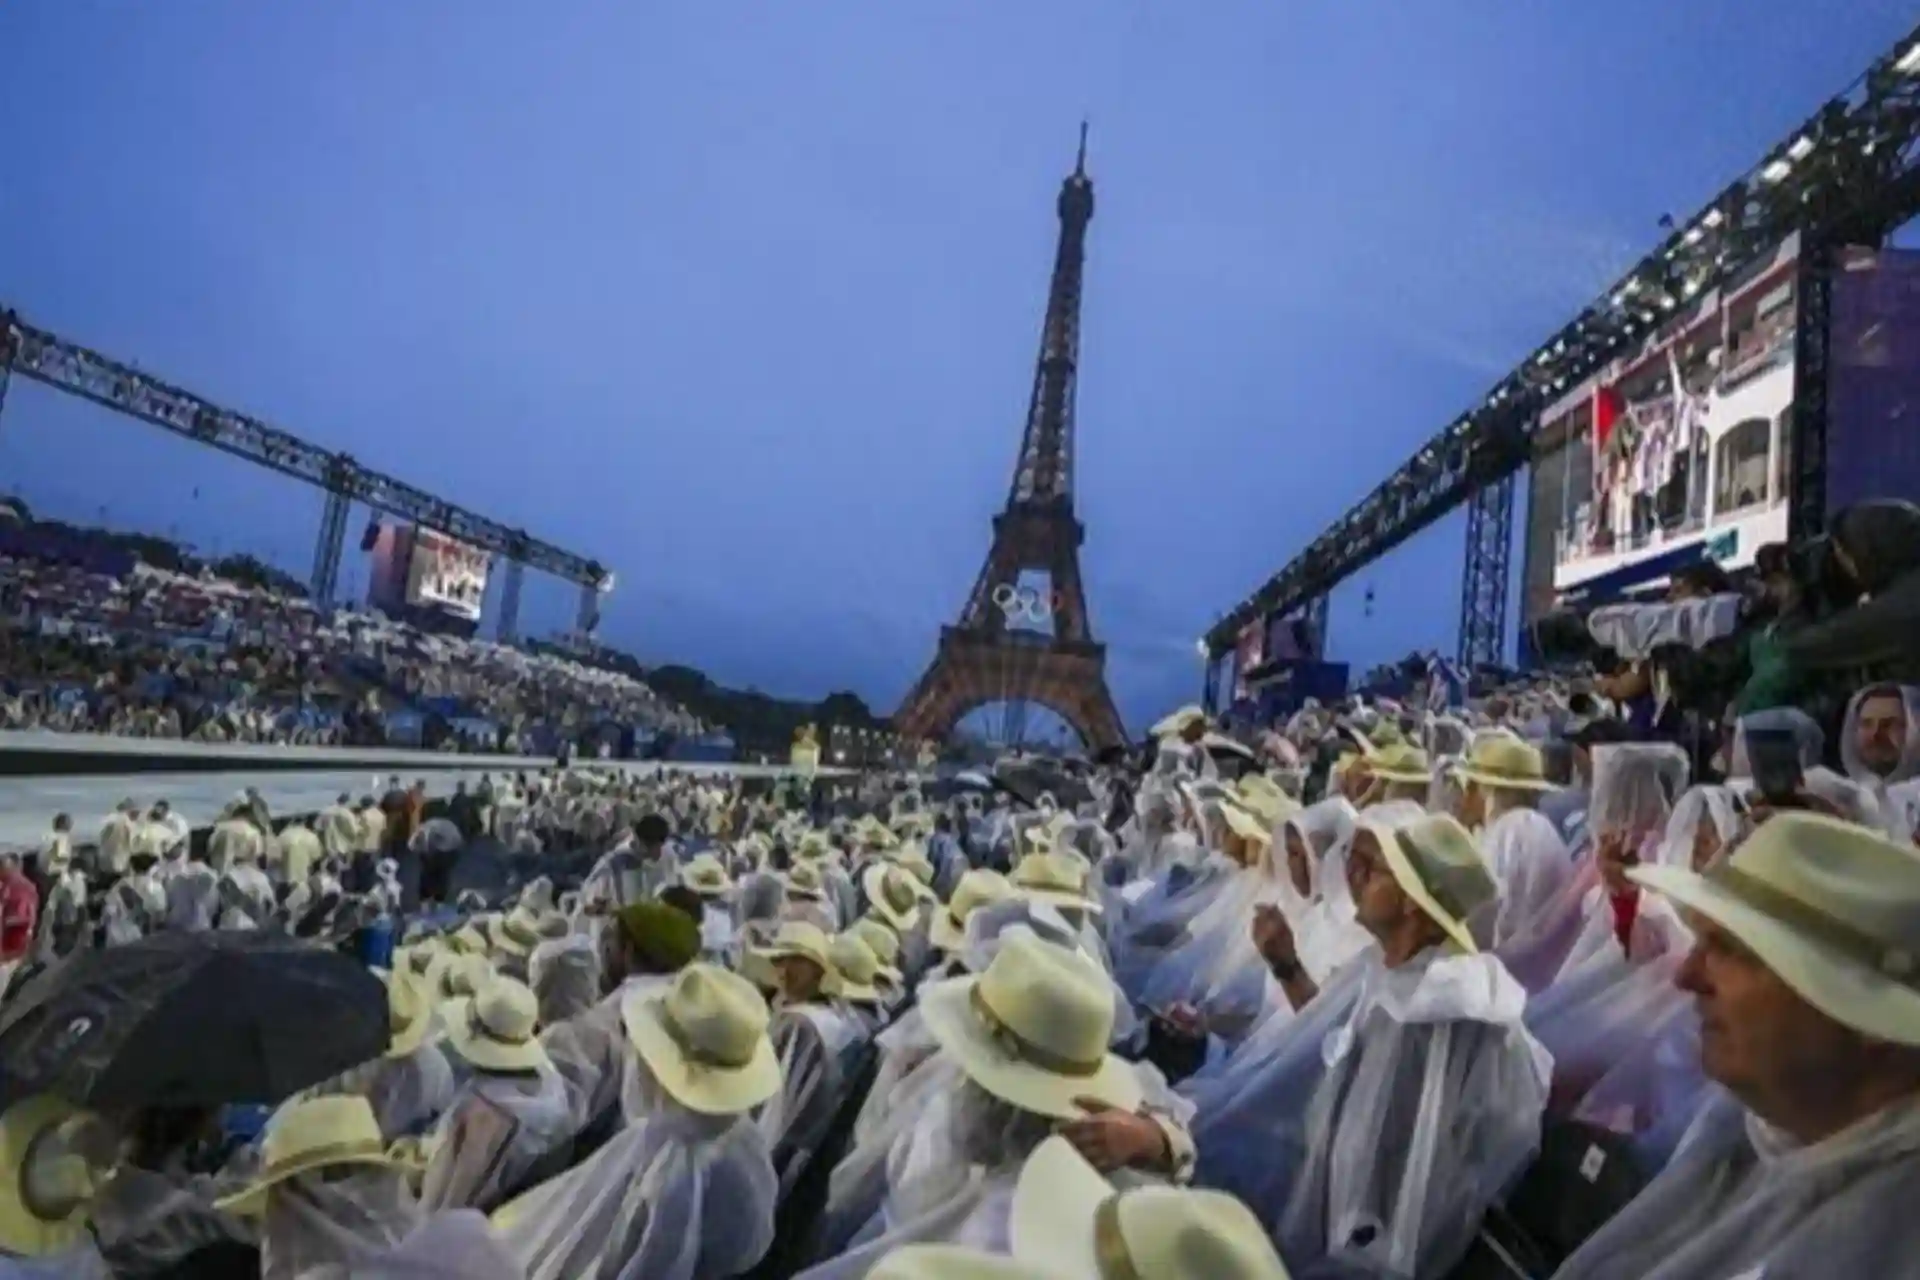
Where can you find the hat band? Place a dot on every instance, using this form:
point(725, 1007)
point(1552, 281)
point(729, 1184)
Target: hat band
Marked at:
point(1504, 773)
point(1890, 962)
point(698, 1054)
point(1026, 1050)
point(325, 1154)
point(479, 1030)
point(1110, 1250)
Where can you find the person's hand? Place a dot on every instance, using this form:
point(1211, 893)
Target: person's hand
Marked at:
point(1273, 938)
point(1614, 853)
point(1109, 1138)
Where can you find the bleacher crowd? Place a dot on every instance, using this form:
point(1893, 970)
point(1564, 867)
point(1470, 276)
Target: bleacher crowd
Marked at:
point(153, 653)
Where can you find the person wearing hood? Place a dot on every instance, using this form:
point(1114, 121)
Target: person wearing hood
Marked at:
point(1375, 1129)
point(1880, 750)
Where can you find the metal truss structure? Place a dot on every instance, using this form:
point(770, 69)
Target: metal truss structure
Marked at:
point(67, 366)
point(1849, 175)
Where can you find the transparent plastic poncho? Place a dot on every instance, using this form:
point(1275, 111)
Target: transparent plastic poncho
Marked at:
point(495, 1133)
point(325, 1222)
point(674, 1195)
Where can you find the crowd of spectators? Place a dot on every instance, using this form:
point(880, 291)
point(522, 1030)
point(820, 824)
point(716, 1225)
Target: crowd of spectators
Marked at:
point(149, 652)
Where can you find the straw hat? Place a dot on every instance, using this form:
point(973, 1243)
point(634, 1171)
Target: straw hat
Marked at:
point(468, 939)
point(951, 1262)
point(857, 969)
point(796, 938)
point(1245, 823)
point(495, 1029)
point(45, 1182)
point(704, 1037)
point(895, 895)
point(805, 881)
point(1070, 1222)
point(1499, 761)
point(409, 1016)
point(515, 934)
point(706, 875)
point(882, 941)
point(1400, 762)
point(814, 847)
point(315, 1133)
point(1179, 722)
point(1263, 796)
point(1057, 878)
point(976, 889)
point(1830, 907)
point(913, 859)
point(1033, 1029)
point(1437, 863)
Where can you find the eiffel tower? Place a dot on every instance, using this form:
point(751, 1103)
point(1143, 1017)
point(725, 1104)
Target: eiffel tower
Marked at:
point(1017, 642)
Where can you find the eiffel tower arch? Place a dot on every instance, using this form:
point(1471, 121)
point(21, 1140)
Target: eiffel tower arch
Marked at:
point(1015, 642)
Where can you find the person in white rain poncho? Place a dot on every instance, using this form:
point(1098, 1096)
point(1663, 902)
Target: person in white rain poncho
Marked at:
point(806, 898)
point(235, 838)
point(564, 974)
point(1373, 1131)
point(192, 889)
point(707, 877)
point(509, 1116)
point(410, 1085)
point(1028, 1039)
point(1634, 784)
point(64, 924)
point(1807, 1166)
point(686, 1189)
point(1880, 747)
point(1504, 777)
point(137, 903)
point(327, 1193)
point(246, 895)
point(816, 1040)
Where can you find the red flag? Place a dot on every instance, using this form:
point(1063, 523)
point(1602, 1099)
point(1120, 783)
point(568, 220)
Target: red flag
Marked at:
point(1608, 405)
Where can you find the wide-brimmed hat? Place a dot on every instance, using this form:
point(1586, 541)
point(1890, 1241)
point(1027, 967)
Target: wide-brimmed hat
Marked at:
point(1070, 1223)
point(795, 939)
point(913, 859)
point(315, 1133)
point(1245, 823)
point(1264, 797)
point(1056, 878)
point(494, 1030)
point(805, 881)
point(856, 968)
point(870, 831)
point(814, 847)
point(1400, 762)
point(1179, 722)
point(704, 1037)
point(895, 895)
point(46, 1182)
point(951, 1262)
point(1438, 864)
point(1496, 760)
point(1033, 1030)
point(1832, 908)
point(515, 934)
point(706, 875)
point(976, 889)
point(882, 941)
point(409, 1015)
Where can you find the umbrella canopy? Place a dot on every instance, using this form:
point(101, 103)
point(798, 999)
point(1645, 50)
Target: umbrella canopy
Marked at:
point(191, 1019)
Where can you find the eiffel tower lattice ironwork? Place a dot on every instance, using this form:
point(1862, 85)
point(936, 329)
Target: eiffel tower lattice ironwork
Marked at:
point(1017, 643)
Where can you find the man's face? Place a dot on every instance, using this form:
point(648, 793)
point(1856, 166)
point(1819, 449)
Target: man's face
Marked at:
point(1379, 904)
point(1757, 1038)
point(1880, 733)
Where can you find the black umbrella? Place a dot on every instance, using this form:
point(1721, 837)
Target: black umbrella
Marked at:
point(191, 1019)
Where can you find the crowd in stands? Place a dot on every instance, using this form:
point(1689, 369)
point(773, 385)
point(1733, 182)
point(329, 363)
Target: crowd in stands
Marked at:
point(106, 644)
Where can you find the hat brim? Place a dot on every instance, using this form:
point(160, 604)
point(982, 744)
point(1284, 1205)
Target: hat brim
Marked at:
point(1834, 983)
point(709, 1090)
point(1407, 776)
point(1247, 826)
point(1414, 887)
point(945, 933)
point(757, 966)
point(1503, 782)
point(1061, 898)
point(24, 1233)
point(947, 1008)
point(1054, 1206)
point(488, 1055)
point(251, 1201)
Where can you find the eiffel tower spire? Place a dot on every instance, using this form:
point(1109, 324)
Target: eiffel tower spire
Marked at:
point(1044, 475)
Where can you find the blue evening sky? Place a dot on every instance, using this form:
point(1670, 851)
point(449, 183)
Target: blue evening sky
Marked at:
point(743, 298)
